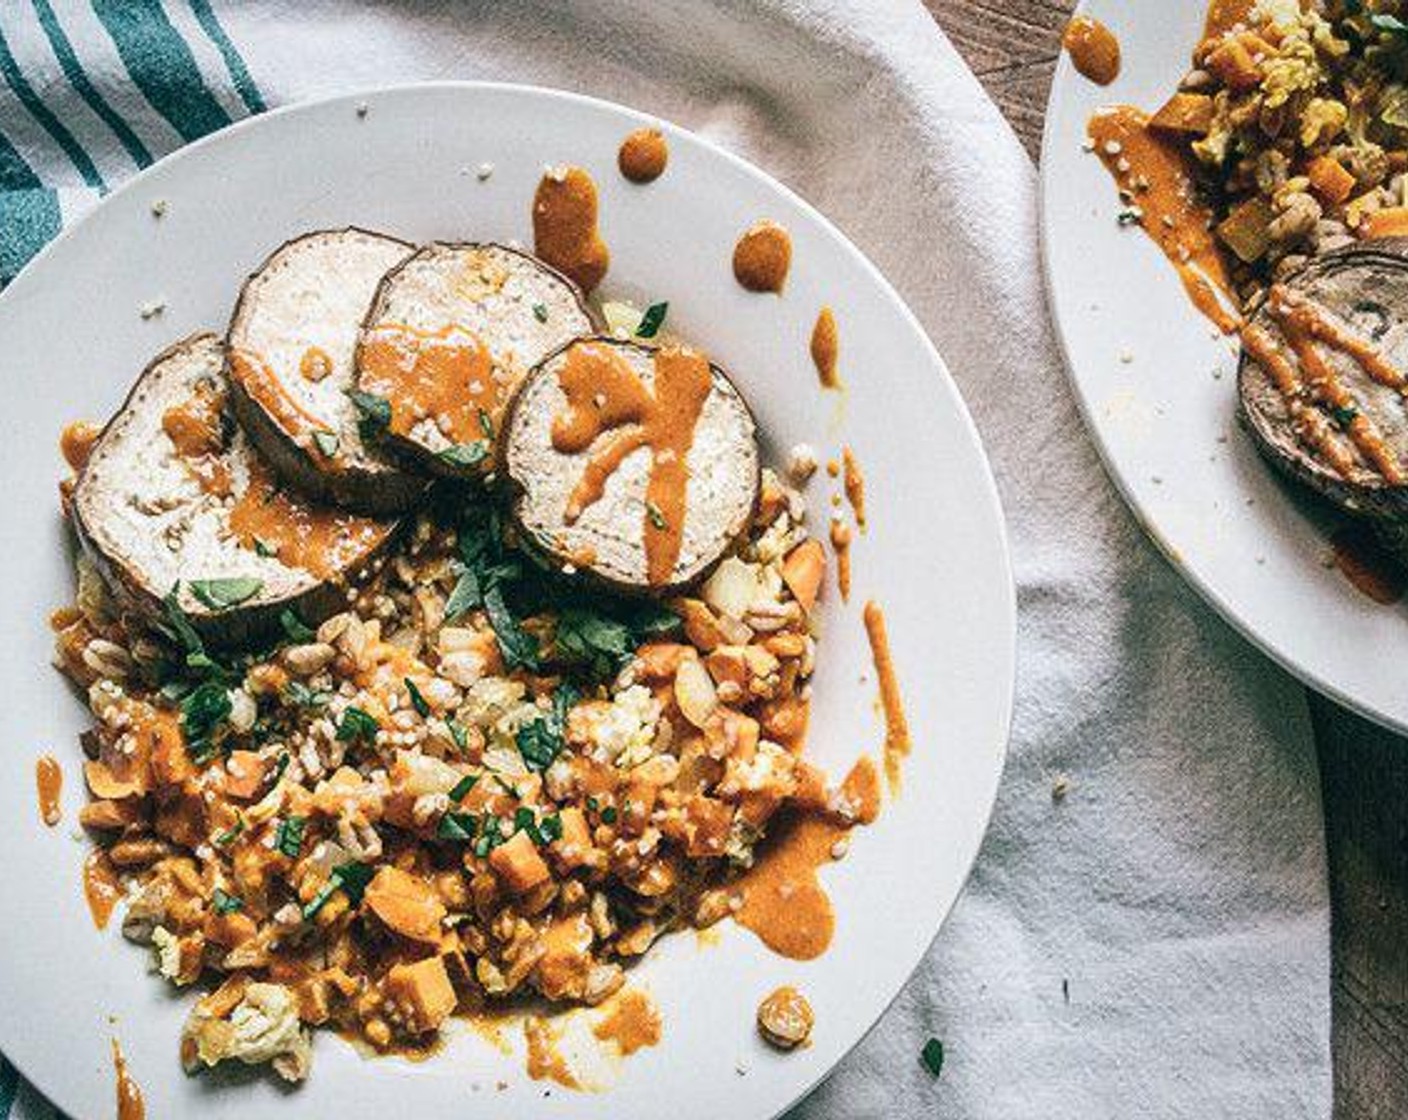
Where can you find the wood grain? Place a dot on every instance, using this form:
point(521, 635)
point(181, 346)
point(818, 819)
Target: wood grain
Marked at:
point(1012, 46)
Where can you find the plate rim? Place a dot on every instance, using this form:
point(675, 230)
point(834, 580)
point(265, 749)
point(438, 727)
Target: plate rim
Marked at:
point(1005, 644)
point(1109, 461)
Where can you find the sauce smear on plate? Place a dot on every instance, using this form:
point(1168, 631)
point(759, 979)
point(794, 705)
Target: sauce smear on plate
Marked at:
point(632, 1022)
point(897, 741)
point(1094, 50)
point(825, 348)
point(130, 1105)
point(101, 886)
point(564, 226)
point(49, 780)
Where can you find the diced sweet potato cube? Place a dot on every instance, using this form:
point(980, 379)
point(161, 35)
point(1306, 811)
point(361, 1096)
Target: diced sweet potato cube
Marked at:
point(701, 626)
point(518, 864)
point(784, 720)
point(1330, 182)
point(707, 825)
point(574, 847)
point(1231, 62)
point(1389, 222)
point(803, 570)
point(406, 904)
point(244, 773)
point(1244, 230)
point(727, 664)
point(566, 960)
point(659, 661)
point(229, 929)
point(106, 814)
point(421, 993)
point(1187, 113)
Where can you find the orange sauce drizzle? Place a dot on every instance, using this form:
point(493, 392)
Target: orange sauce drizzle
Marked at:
point(783, 901)
point(315, 364)
point(564, 226)
point(319, 539)
point(762, 257)
point(1327, 387)
point(604, 395)
point(445, 375)
point(632, 1022)
point(1293, 308)
point(1154, 172)
point(643, 155)
point(1094, 50)
point(825, 348)
point(841, 546)
point(76, 442)
point(269, 392)
point(49, 781)
point(101, 886)
point(854, 483)
point(1367, 565)
point(544, 1058)
point(194, 429)
point(130, 1105)
point(897, 740)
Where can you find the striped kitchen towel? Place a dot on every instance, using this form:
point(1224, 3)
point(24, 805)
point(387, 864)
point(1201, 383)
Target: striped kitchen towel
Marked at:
point(92, 92)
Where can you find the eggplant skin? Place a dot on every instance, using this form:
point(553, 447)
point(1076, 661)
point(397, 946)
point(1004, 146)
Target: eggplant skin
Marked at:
point(1365, 286)
point(376, 484)
point(519, 476)
point(133, 584)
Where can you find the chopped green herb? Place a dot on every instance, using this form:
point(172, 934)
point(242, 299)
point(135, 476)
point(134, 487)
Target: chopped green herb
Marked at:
point(294, 627)
point(202, 713)
point(933, 1056)
point(289, 838)
point(519, 648)
point(263, 549)
point(176, 625)
point(418, 701)
point(356, 724)
point(652, 320)
point(221, 594)
point(230, 834)
point(540, 312)
point(458, 734)
point(608, 815)
point(225, 903)
point(279, 767)
point(350, 878)
point(503, 785)
point(486, 423)
point(300, 695)
point(1345, 415)
point(525, 820)
point(457, 826)
point(550, 828)
point(465, 454)
point(462, 787)
point(540, 741)
point(490, 837)
point(374, 413)
point(593, 804)
point(1385, 22)
point(652, 511)
point(327, 443)
point(465, 597)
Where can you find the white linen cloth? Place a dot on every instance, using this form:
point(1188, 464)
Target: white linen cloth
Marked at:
point(1155, 943)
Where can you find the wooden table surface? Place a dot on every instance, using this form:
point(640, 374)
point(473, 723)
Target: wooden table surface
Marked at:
point(1012, 46)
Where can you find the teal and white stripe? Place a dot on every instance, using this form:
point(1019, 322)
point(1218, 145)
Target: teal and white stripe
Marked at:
point(92, 91)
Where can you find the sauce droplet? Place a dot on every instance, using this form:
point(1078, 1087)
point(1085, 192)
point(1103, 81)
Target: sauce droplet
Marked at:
point(825, 348)
point(76, 442)
point(643, 155)
point(897, 741)
point(130, 1105)
point(49, 779)
point(854, 483)
point(564, 226)
point(1094, 50)
point(545, 1061)
point(762, 257)
point(841, 546)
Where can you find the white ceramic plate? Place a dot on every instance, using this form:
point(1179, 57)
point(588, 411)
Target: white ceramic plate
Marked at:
point(1158, 391)
point(935, 557)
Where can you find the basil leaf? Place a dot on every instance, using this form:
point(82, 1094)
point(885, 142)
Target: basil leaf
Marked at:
point(465, 455)
point(465, 597)
point(225, 903)
point(520, 650)
point(374, 413)
point(289, 838)
point(357, 724)
point(418, 702)
point(652, 320)
point(294, 627)
point(327, 443)
point(933, 1056)
point(202, 713)
point(221, 594)
point(462, 787)
point(457, 826)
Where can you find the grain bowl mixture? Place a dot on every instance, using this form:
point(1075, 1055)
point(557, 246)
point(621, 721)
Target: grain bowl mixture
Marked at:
point(472, 783)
